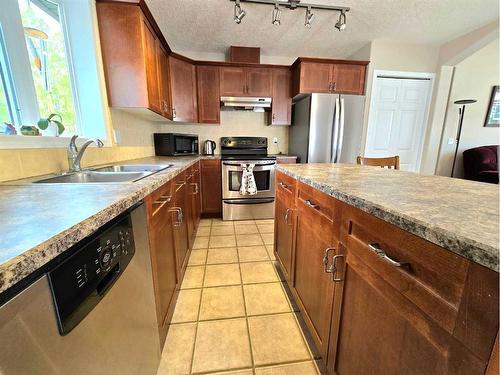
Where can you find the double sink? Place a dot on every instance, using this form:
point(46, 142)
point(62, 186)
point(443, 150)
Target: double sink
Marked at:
point(108, 174)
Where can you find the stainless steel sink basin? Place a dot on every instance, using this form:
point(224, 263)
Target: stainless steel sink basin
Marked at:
point(94, 177)
point(134, 168)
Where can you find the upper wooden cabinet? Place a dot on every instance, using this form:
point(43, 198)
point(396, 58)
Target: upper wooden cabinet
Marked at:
point(164, 82)
point(208, 78)
point(133, 59)
point(329, 76)
point(183, 81)
point(244, 81)
point(281, 111)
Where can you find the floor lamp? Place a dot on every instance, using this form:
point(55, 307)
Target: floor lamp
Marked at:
point(461, 112)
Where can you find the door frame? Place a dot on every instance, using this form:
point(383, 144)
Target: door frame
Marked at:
point(404, 75)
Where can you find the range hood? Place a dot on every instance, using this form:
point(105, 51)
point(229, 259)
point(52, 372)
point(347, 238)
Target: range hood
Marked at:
point(242, 103)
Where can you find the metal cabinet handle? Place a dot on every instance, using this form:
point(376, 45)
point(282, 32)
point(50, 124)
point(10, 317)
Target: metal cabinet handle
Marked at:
point(375, 247)
point(162, 201)
point(196, 190)
point(283, 185)
point(181, 184)
point(174, 113)
point(329, 87)
point(334, 268)
point(288, 210)
point(310, 204)
point(179, 218)
point(334, 86)
point(325, 259)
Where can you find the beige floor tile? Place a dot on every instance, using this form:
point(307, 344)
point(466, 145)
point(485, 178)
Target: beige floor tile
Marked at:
point(205, 222)
point(222, 230)
point(178, 350)
point(186, 308)
point(252, 253)
point(222, 302)
point(238, 372)
point(246, 229)
point(264, 221)
point(201, 243)
point(222, 241)
point(198, 257)
point(221, 345)
point(276, 339)
point(270, 252)
point(222, 274)
point(268, 238)
point(266, 228)
point(222, 255)
point(249, 239)
point(258, 272)
point(193, 277)
point(263, 299)
point(219, 222)
point(301, 368)
point(243, 222)
point(203, 231)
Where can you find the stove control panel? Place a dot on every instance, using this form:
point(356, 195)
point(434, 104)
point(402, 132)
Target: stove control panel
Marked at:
point(82, 280)
point(244, 142)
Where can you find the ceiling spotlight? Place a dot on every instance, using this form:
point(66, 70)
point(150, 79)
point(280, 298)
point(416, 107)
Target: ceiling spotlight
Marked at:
point(309, 18)
point(341, 23)
point(238, 12)
point(276, 15)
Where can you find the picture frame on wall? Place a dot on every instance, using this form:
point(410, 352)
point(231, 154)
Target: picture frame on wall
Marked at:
point(493, 115)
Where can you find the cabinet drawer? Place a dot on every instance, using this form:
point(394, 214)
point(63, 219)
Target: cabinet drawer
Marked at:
point(285, 185)
point(429, 276)
point(156, 199)
point(318, 201)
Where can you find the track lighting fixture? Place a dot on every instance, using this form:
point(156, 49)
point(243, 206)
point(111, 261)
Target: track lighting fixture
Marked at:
point(238, 12)
point(309, 18)
point(292, 5)
point(276, 15)
point(341, 23)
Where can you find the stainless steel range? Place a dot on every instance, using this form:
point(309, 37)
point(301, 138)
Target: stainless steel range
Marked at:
point(236, 151)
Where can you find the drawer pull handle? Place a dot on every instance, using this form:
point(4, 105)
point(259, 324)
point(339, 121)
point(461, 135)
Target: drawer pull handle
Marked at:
point(325, 259)
point(179, 215)
point(284, 186)
point(310, 204)
point(375, 247)
point(286, 215)
point(162, 201)
point(334, 268)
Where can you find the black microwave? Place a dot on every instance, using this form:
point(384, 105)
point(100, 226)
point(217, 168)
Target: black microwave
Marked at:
point(170, 144)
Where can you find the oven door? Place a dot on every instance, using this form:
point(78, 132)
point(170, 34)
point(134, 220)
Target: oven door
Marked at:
point(263, 173)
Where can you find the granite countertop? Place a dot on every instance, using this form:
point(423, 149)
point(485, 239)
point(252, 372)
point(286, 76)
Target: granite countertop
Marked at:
point(461, 216)
point(40, 221)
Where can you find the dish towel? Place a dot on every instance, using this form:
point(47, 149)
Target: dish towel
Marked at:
point(248, 186)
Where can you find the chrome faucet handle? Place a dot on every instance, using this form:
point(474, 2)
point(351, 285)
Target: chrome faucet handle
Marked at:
point(72, 144)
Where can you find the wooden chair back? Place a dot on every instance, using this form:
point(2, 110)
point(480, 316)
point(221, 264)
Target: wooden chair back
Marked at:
point(390, 162)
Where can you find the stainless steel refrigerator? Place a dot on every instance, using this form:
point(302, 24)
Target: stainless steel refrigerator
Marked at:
point(327, 128)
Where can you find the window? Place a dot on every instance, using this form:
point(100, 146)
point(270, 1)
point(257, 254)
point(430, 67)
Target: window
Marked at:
point(8, 107)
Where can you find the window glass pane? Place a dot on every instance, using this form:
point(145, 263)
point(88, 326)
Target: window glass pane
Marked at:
point(49, 64)
point(4, 106)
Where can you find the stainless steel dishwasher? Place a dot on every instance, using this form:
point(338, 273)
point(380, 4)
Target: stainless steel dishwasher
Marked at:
point(91, 313)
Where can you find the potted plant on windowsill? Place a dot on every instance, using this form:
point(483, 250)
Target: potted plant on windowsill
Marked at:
point(55, 120)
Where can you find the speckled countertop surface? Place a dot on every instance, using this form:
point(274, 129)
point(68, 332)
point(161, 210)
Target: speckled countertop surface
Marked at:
point(40, 221)
point(459, 215)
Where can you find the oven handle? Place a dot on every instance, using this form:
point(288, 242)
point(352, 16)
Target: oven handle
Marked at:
point(256, 165)
point(249, 201)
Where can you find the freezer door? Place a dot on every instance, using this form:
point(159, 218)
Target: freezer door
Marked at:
point(298, 134)
point(321, 128)
point(353, 109)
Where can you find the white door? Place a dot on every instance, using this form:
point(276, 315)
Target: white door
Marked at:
point(397, 119)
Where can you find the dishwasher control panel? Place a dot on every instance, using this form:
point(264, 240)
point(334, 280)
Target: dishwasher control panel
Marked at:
point(82, 280)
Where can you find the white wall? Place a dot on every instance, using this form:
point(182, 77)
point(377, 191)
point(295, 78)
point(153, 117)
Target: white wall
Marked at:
point(473, 79)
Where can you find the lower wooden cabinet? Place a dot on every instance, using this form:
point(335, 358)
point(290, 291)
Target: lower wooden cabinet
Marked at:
point(211, 187)
point(181, 237)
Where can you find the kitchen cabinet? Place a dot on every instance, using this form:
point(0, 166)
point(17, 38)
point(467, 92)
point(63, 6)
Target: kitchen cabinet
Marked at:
point(196, 195)
point(328, 76)
point(211, 187)
point(284, 222)
point(317, 234)
point(208, 79)
point(243, 81)
point(181, 239)
point(164, 83)
point(183, 82)
point(133, 58)
point(161, 243)
point(281, 111)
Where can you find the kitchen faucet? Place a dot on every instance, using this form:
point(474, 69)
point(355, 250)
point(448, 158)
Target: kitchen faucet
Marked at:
point(75, 155)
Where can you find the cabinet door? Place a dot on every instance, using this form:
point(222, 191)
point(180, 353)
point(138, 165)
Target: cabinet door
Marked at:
point(164, 80)
point(196, 196)
point(284, 220)
point(315, 77)
point(259, 82)
point(312, 286)
point(183, 90)
point(281, 112)
point(211, 187)
point(151, 61)
point(189, 214)
point(349, 79)
point(232, 81)
point(208, 79)
point(180, 224)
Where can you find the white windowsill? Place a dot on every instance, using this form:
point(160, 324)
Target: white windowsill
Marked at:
point(24, 141)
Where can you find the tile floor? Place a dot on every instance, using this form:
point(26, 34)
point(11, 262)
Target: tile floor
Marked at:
point(233, 315)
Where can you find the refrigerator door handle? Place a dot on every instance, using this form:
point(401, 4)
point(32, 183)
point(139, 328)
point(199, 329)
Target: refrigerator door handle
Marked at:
point(341, 130)
point(336, 129)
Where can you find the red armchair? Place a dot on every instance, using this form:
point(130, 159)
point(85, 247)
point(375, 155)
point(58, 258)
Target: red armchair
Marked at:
point(481, 164)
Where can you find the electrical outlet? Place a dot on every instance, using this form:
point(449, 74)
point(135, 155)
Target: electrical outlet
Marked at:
point(275, 141)
point(451, 141)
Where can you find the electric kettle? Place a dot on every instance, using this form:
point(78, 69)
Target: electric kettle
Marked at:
point(209, 147)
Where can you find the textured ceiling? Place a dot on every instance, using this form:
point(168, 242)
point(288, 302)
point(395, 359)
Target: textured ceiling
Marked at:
point(207, 26)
